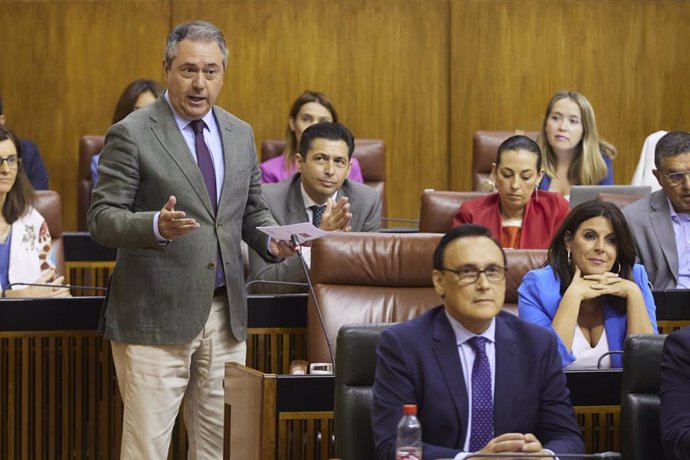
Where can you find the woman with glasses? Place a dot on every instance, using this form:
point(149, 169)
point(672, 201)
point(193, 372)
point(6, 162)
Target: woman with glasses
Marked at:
point(590, 293)
point(574, 154)
point(25, 244)
point(311, 107)
point(518, 216)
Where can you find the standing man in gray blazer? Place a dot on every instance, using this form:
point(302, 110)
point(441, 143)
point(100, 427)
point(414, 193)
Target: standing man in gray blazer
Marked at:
point(319, 193)
point(661, 221)
point(179, 188)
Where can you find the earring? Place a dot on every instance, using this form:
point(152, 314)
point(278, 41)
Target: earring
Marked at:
point(617, 272)
point(569, 261)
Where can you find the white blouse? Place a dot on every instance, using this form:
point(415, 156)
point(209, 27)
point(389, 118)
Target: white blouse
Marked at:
point(586, 357)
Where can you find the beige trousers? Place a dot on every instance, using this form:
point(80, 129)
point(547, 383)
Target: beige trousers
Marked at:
point(153, 380)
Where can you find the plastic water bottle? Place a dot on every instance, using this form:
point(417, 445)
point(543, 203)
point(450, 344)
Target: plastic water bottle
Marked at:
point(409, 443)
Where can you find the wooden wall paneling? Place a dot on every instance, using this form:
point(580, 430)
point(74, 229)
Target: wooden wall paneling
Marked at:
point(63, 66)
point(384, 64)
point(509, 57)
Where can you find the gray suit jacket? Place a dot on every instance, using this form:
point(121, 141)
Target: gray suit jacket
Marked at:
point(284, 200)
point(650, 222)
point(162, 294)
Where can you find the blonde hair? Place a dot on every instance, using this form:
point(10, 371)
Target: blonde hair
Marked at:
point(588, 166)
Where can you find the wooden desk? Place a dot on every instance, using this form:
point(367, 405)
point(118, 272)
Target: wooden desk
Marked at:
point(58, 392)
point(282, 417)
point(672, 309)
point(87, 263)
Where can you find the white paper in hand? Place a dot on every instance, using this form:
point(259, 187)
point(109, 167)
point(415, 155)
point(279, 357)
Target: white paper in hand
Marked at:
point(305, 232)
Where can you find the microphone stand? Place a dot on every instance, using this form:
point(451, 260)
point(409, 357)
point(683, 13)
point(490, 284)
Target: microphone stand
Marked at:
point(298, 249)
point(604, 355)
point(54, 286)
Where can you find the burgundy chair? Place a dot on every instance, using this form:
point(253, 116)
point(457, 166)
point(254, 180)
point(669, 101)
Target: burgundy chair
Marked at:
point(383, 278)
point(484, 148)
point(89, 146)
point(371, 154)
point(439, 208)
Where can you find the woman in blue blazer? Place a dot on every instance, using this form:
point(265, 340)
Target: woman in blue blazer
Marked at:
point(590, 293)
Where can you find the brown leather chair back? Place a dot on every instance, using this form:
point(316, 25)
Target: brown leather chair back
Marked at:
point(520, 261)
point(49, 205)
point(89, 146)
point(484, 148)
point(371, 154)
point(439, 208)
point(368, 278)
point(619, 199)
point(383, 278)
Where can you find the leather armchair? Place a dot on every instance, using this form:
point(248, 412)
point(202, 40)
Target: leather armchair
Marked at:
point(371, 154)
point(383, 278)
point(520, 261)
point(484, 148)
point(354, 378)
point(89, 146)
point(640, 430)
point(439, 208)
point(49, 205)
point(368, 278)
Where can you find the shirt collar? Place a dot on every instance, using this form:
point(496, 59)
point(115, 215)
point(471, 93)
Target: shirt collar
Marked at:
point(462, 335)
point(679, 218)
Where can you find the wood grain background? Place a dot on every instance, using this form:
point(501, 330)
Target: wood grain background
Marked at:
point(421, 74)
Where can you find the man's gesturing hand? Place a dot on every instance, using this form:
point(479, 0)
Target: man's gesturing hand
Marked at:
point(173, 224)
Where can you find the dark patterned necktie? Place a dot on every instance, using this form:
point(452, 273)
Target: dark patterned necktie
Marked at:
point(482, 400)
point(203, 158)
point(317, 213)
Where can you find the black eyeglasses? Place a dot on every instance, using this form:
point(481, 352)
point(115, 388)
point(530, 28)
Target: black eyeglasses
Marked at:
point(13, 161)
point(470, 274)
point(675, 178)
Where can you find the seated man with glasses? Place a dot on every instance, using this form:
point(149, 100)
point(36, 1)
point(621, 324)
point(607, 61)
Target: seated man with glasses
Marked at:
point(483, 380)
point(661, 221)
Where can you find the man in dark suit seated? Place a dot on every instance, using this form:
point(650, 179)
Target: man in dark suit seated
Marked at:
point(661, 221)
point(32, 163)
point(319, 193)
point(483, 379)
point(675, 399)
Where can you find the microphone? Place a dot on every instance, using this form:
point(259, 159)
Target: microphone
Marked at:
point(612, 352)
point(59, 286)
point(298, 250)
point(601, 456)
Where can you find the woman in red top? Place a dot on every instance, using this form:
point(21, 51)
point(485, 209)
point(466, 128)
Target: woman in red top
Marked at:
point(519, 215)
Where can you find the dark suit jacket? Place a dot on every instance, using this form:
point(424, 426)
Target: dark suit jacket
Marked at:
point(675, 395)
point(162, 294)
point(650, 221)
point(32, 165)
point(285, 202)
point(418, 363)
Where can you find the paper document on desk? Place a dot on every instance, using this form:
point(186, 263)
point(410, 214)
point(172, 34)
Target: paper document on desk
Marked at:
point(305, 232)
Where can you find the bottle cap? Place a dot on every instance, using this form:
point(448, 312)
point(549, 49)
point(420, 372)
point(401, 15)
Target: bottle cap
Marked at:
point(410, 409)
